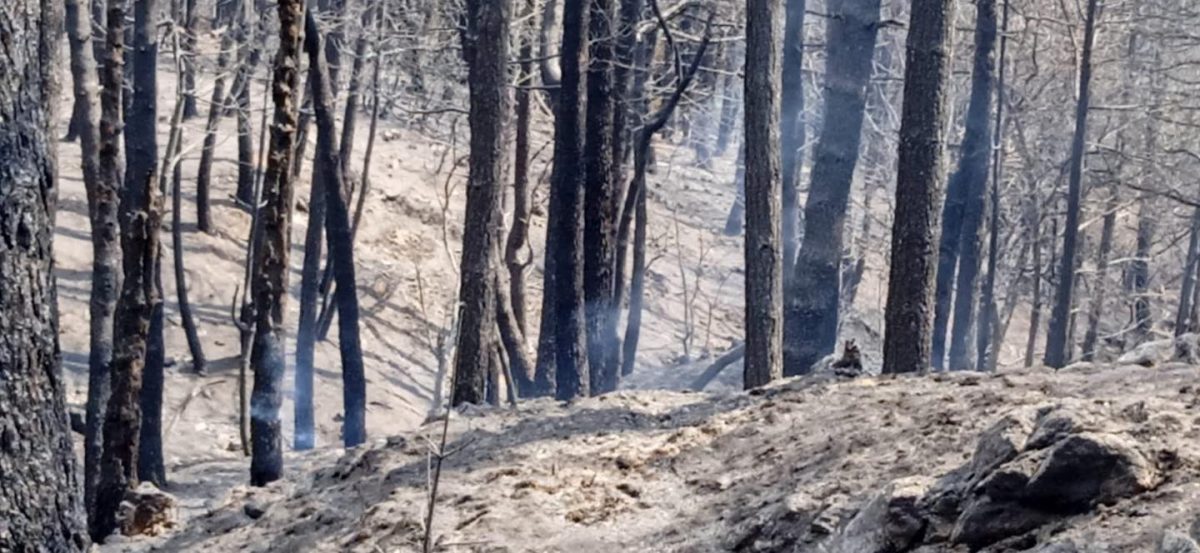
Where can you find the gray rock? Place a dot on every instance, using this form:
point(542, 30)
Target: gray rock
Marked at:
point(147, 511)
point(1058, 422)
point(890, 521)
point(1002, 441)
point(1177, 542)
point(985, 522)
point(1084, 470)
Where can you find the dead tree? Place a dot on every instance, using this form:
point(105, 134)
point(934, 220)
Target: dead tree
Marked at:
point(565, 316)
point(216, 106)
point(140, 219)
point(341, 243)
point(637, 187)
point(485, 47)
point(923, 136)
point(763, 244)
point(792, 133)
point(1099, 286)
point(811, 313)
point(101, 168)
point(518, 232)
point(986, 348)
point(268, 359)
point(42, 507)
point(600, 197)
point(1057, 346)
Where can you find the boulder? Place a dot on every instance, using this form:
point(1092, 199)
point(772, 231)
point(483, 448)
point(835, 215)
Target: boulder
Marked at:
point(1001, 442)
point(985, 522)
point(147, 511)
point(1057, 422)
point(1087, 469)
point(1149, 354)
point(1177, 542)
point(890, 521)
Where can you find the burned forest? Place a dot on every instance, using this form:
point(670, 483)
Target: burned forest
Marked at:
point(814, 276)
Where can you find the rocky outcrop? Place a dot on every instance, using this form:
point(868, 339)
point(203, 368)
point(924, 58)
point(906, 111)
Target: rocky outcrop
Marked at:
point(1032, 468)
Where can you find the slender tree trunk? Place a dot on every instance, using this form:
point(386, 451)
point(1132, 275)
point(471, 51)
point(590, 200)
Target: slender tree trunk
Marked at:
point(240, 93)
point(268, 357)
point(1188, 283)
point(923, 136)
point(101, 178)
point(43, 510)
point(140, 220)
point(763, 245)
point(600, 201)
point(1140, 268)
point(518, 234)
point(188, 43)
point(150, 445)
point(637, 283)
point(1099, 288)
point(1035, 309)
point(792, 133)
point(215, 107)
point(987, 348)
point(731, 101)
point(736, 220)
point(973, 170)
point(310, 280)
point(485, 46)
point(520, 362)
point(1056, 338)
point(812, 310)
point(341, 243)
point(569, 344)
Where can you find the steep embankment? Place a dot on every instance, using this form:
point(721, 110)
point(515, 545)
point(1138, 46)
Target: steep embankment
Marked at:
point(801, 466)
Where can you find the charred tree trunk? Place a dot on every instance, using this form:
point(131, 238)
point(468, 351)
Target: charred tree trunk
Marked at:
point(1099, 288)
point(140, 220)
point(731, 101)
point(485, 46)
point(1035, 309)
point(600, 201)
point(518, 234)
point(240, 93)
point(1188, 284)
point(1057, 347)
point(1140, 268)
point(188, 44)
point(42, 506)
point(792, 133)
point(567, 313)
point(763, 245)
point(268, 356)
point(341, 243)
point(215, 107)
point(923, 135)
point(986, 347)
point(973, 171)
point(812, 311)
point(736, 220)
point(101, 168)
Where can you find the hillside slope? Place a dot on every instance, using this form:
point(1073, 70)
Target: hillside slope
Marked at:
point(788, 468)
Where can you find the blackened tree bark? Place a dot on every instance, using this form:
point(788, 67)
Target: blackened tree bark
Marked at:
point(641, 110)
point(1091, 336)
point(101, 178)
point(565, 240)
point(140, 219)
point(42, 504)
point(986, 348)
point(923, 135)
point(251, 48)
point(973, 172)
point(215, 108)
point(310, 276)
point(1035, 308)
point(1188, 283)
point(1140, 267)
point(599, 235)
point(341, 242)
point(485, 46)
point(764, 254)
point(518, 232)
point(812, 309)
point(1060, 318)
point(268, 356)
point(188, 43)
point(792, 129)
